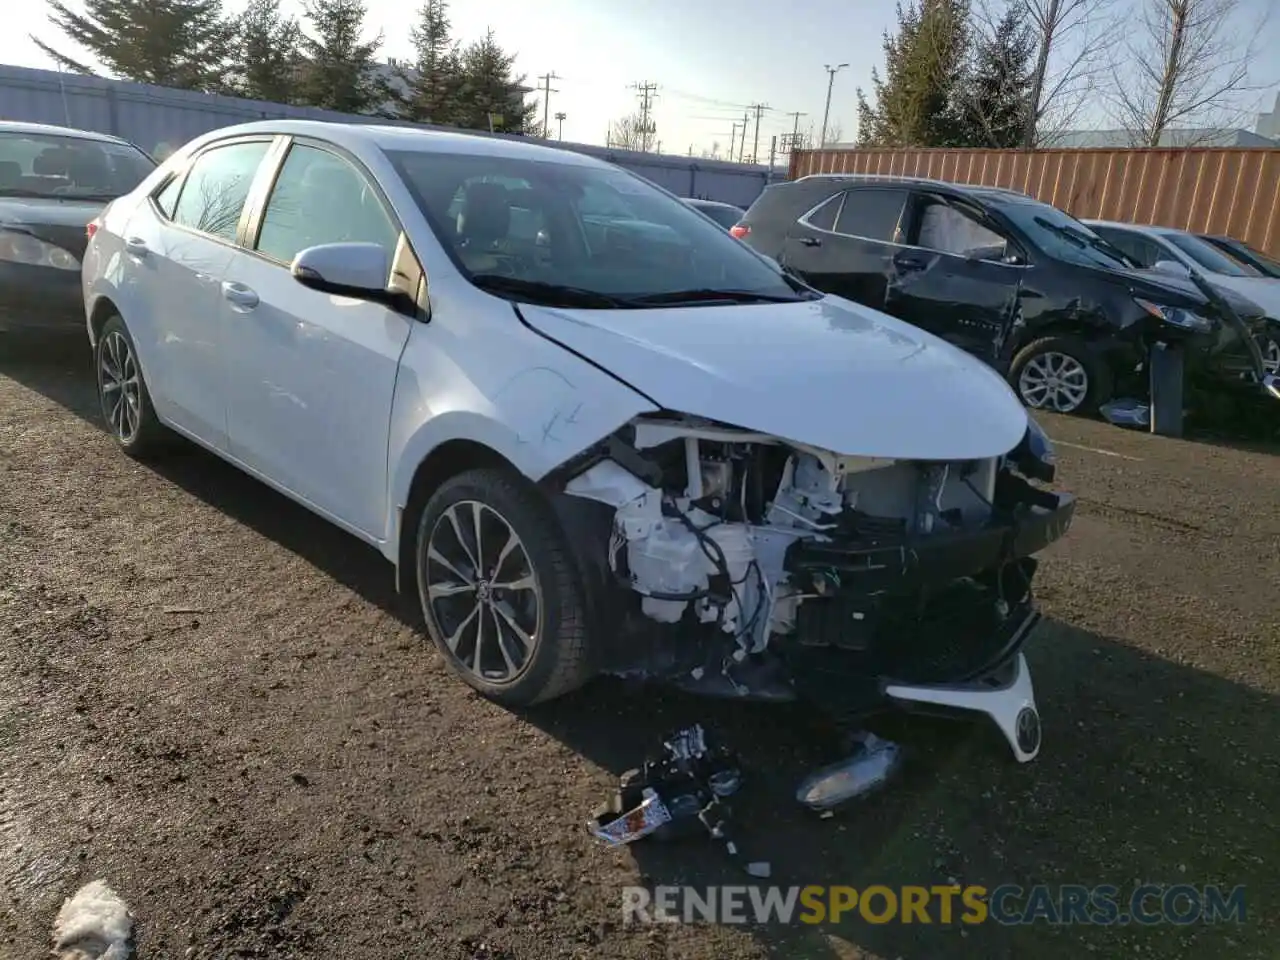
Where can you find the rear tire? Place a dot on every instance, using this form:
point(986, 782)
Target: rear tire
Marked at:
point(1060, 375)
point(506, 607)
point(123, 395)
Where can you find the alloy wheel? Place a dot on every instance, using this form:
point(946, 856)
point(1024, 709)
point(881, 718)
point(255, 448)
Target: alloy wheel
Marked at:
point(483, 592)
point(1054, 381)
point(120, 387)
point(1271, 356)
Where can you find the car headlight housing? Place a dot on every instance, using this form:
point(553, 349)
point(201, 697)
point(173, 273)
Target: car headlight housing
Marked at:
point(16, 247)
point(1177, 316)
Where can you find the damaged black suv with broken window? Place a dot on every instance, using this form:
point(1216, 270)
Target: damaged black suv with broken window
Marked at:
point(1068, 318)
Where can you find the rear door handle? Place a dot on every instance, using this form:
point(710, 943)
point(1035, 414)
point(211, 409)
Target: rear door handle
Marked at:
point(809, 241)
point(239, 294)
point(136, 246)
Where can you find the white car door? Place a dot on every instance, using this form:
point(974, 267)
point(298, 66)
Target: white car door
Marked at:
point(310, 375)
point(177, 246)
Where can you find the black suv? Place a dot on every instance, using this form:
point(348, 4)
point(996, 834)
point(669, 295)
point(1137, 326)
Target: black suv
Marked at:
point(1067, 317)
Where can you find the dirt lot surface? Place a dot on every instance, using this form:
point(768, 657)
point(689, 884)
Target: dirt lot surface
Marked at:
point(216, 703)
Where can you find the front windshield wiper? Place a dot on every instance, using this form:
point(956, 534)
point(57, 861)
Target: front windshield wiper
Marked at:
point(1084, 241)
point(546, 294)
point(24, 193)
point(708, 295)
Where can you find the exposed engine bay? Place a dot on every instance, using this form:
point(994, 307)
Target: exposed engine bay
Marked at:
point(918, 572)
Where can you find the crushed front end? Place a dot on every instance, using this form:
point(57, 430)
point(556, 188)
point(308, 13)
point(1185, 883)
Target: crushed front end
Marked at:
point(758, 567)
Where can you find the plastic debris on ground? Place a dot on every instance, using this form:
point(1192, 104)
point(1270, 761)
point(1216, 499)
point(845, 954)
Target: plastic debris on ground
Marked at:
point(679, 794)
point(873, 762)
point(1127, 413)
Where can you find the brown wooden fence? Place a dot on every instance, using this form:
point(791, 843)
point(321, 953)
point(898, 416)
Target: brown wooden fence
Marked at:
point(1231, 190)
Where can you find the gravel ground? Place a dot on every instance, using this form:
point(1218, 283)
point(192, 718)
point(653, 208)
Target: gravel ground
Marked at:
point(217, 703)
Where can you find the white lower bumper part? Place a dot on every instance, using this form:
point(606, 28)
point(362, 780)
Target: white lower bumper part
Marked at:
point(1012, 705)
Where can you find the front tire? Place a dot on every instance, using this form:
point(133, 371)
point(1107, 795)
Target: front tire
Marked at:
point(501, 597)
point(122, 393)
point(1060, 375)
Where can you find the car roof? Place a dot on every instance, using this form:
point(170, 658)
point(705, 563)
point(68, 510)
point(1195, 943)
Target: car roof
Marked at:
point(976, 190)
point(46, 129)
point(408, 138)
point(698, 201)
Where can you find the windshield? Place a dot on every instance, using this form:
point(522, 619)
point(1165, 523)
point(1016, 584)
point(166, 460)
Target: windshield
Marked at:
point(43, 165)
point(1209, 257)
point(1063, 236)
point(577, 235)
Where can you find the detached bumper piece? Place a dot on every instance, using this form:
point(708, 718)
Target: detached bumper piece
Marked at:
point(937, 620)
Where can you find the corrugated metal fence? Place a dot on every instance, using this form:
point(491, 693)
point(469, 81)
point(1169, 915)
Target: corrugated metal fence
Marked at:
point(160, 119)
point(1231, 190)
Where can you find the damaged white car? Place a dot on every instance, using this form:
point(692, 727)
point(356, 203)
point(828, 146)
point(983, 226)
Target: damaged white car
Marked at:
point(595, 433)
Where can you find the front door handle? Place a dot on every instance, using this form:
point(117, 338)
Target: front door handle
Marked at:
point(239, 294)
point(136, 246)
point(809, 241)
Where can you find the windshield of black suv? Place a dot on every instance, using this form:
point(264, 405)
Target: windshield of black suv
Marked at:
point(573, 234)
point(1209, 257)
point(1062, 236)
point(75, 168)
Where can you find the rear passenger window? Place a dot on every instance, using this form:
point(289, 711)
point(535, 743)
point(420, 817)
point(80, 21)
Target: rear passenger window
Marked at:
point(215, 190)
point(872, 214)
point(824, 218)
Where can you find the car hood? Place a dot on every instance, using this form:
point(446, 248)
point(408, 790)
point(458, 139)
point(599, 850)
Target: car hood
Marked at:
point(55, 220)
point(1264, 291)
point(828, 373)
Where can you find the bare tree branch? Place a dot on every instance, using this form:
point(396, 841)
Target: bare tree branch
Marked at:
point(1187, 66)
point(1075, 39)
point(631, 133)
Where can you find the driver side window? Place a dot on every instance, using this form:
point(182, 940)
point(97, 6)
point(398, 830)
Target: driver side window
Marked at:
point(947, 230)
point(320, 198)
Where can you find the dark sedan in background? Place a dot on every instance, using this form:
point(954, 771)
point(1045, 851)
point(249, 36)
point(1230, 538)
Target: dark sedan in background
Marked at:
point(53, 182)
point(725, 214)
point(1242, 252)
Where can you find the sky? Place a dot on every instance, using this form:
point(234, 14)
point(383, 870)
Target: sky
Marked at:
point(710, 59)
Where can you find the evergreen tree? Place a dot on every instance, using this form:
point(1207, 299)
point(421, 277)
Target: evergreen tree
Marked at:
point(917, 101)
point(172, 43)
point(488, 90)
point(340, 72)
point(268, 61)
point(434, 84)
point(997, 93)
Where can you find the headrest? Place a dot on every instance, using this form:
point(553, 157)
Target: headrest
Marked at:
point(51, 162)
point(486, 212)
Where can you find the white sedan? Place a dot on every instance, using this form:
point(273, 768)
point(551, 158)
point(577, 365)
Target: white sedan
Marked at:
point(593, 431)
point(1181, 252)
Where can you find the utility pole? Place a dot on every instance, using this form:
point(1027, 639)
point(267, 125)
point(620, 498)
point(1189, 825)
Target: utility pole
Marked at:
point(733, 138)
point(546, 79)
point(759, 108)
point(647, 93)
point(742, 150)
point(826, 113)
point(795, 128)
point(560, 115)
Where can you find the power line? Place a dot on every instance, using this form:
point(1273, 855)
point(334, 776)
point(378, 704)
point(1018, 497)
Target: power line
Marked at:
point(546, 79)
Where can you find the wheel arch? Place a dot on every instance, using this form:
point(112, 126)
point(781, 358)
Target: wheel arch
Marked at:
point(103, 308)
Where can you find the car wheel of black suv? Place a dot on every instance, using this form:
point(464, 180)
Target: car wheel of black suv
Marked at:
point(1060, 375)
point(122, 393)
point(502, 598)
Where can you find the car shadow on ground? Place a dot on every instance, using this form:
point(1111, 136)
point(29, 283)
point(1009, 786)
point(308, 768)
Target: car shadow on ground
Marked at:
point(1151, 772)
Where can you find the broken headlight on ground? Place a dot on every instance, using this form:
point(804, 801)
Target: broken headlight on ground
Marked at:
point(773, 569)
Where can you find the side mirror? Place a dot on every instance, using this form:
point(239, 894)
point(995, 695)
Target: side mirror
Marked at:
point(1172, 267)
point(346, 269)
